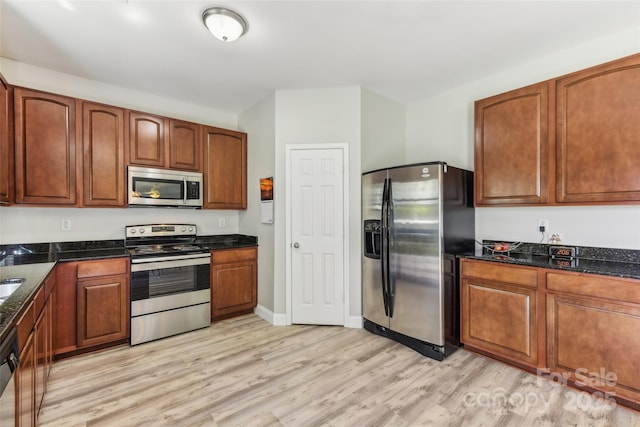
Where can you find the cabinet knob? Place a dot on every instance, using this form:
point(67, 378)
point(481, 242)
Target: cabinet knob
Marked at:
point(296, 245)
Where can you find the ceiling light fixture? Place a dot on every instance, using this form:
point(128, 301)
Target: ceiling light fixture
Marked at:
point(224, 24)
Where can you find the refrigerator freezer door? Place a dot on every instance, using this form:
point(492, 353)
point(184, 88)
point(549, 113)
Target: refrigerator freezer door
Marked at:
point(415, 252)
point(372, 292)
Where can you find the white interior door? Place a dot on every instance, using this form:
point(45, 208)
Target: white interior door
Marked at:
point(317, 236)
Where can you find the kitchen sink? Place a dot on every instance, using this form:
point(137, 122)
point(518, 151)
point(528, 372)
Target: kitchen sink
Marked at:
point(9, 286)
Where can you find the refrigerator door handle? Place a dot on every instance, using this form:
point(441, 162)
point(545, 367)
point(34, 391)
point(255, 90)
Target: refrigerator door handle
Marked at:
point(384, 249)
point(391, 275)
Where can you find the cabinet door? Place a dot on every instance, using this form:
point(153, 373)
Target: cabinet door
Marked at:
point(500, 319)
point(234, 277)
point(6, 151)
point(592, 340)
point(102, 310)
point(185, 145)
point(45, 148)
point(25, 385)
point(64, 336)
point(40, 347)
point(103, 144)
point(225, 169)
point(512, 147)
point(598, 133)
point(146, 140)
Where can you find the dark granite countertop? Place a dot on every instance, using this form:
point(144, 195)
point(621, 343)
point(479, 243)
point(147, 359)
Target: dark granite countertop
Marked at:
point(34, 261)
point(34, 253)
point(227, 241)
point(604, 261)
point(33, 275)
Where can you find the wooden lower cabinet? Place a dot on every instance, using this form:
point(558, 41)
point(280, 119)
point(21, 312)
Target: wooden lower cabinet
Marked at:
point(41, 349)
point(92, 305)
point(579, 329)
point(592, 333)
point(234, 277)
point(499, 310)
point(25, 385)
point(102, 310)
point(35, 328)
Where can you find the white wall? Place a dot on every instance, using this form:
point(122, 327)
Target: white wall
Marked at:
point(21, 74)
point(383, 132)
point(259, 122)
point(441, 128)
point(36, 224)
point(308, 117)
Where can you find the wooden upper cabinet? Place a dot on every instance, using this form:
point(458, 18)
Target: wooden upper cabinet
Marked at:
point(225, 169)
point(103, 144)
point(512, 147)
point(598, 133)
point(146, 140)
point(571, 140)
point(164, 143)
point(185, 145)
point(6, 151)
point(46, 158)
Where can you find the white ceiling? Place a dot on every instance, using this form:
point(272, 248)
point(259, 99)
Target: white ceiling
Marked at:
point(404, 50)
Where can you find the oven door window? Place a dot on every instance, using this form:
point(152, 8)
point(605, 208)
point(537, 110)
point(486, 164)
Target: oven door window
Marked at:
point(150, 188)
point(167, 281)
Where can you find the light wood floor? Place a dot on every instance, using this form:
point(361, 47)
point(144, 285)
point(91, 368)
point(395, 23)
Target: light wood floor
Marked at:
point(244, 372)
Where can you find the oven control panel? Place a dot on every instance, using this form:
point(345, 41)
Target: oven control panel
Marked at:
point(160, 230)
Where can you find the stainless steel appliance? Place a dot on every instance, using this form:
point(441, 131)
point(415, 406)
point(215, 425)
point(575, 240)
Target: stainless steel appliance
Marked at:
point(8, 364)
point(416, 219)
point(164, 187)
point(170, 281)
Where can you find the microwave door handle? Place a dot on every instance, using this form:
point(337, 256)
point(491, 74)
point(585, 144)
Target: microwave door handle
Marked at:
point(184, 191)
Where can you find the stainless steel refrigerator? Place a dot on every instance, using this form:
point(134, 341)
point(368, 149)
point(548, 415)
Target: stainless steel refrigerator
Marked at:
point(416, 219)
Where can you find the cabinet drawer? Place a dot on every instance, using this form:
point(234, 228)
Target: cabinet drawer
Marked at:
point(500, 272)
point(103, 267)
point(233, 255)
point(38, 301)
point(596, 286)
point(25, 325)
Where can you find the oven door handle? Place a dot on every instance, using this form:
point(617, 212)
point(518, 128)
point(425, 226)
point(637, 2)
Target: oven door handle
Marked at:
point(158, 264)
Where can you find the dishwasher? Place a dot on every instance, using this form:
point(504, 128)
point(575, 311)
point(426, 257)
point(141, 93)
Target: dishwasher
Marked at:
point(8, 365)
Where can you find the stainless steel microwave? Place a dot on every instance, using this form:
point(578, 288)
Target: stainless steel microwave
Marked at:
point(164, 187)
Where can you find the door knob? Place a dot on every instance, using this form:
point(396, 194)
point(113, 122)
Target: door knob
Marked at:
point(296, 245)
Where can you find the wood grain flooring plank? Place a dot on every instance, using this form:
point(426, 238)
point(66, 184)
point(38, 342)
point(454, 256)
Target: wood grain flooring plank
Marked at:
point(246, 372)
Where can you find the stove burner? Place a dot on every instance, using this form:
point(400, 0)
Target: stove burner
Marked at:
point(161, 240)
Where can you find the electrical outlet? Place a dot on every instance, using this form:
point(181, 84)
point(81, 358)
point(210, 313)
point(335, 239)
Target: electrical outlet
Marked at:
point(221, 222)
point(65, 225)
point(543, 225)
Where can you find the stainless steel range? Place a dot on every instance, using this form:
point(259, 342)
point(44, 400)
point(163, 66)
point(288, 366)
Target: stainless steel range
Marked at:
point(170, 281)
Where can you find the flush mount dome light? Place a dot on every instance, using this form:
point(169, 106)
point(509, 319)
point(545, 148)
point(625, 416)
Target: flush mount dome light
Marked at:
point(224, 24)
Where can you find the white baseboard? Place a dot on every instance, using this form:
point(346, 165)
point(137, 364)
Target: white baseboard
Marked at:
point(276, 319)
point(280, 319)
point(354, 322)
